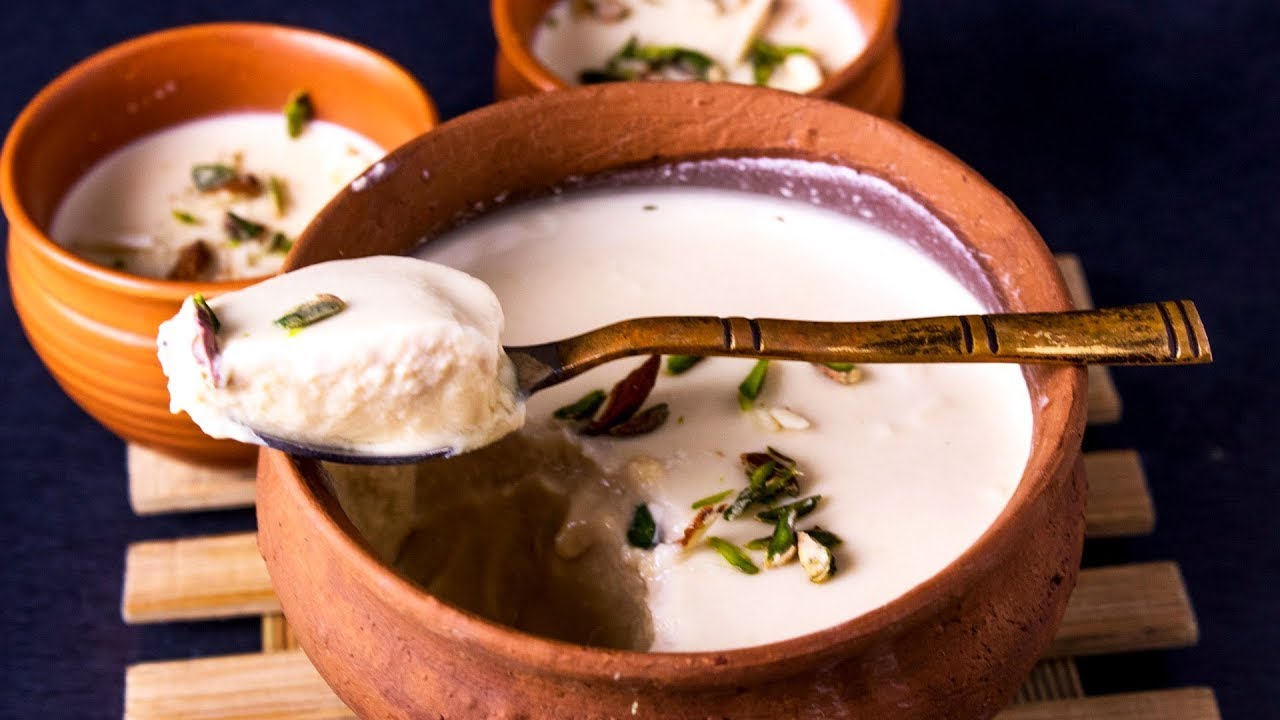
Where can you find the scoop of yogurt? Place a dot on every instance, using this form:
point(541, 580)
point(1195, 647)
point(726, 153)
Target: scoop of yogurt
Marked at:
point(411, 362)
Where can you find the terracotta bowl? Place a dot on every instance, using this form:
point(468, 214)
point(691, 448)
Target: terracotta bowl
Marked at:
point(872, 81)
point(93, 327)
point(956, 646)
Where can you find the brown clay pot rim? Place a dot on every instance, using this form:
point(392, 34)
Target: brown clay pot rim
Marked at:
point(137, 285)
point(517, 52)
point(562, 659)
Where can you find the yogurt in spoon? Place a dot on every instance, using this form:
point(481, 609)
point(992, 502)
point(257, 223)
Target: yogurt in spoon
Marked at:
point(384, 356)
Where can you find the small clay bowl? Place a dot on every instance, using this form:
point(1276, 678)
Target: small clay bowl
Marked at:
point(872, 81)
point(956, 646)
point(94, 327)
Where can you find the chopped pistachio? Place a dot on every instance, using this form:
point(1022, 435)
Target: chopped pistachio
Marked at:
point(733, 555)
point(816, 558)
point(788, 419)
point(843, 373)
point(698, 526)
point(679, 364)
point(765, 57)
point(279, 195)
point(280, 243)
point(826, 537)
point(185, 217)
point(654, 62)
point(643, 422)
point(760, 543)
point(239, 229)
point(583, 408)
point(749, 389)
point(800, 507)
point(298, 111)
point(193, 260)
point(211, 176)
point(712, 499)
point(203, 309)
point(626, 397)
point(312, 311)
point(782, 544)
point(643, 532)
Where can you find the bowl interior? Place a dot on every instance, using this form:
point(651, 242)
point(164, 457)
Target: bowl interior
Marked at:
point(685, 133)
point(158, 80)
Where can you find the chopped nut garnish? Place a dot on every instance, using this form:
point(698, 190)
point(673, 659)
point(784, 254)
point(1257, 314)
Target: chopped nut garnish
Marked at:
point(185, 217)
point(298, 111)
point(733, 555)
point(749, 389)
point(826, 537)
point(843, 373)
point(280, 243)
point(654, 62)
point(698, 526)
point(711, 499)
point(239, 229)
point(312, 311)
point(788, 419)
point(583, 408)
point(279, 195)
point(817, 559)
point(193, 260)
point(643, 422)
point(680, 364)
point(643, 532)
point(204, 348)
point(799, 507)
point(212, 176)
point(626, 397)
point(765, 57)
point(782, 544)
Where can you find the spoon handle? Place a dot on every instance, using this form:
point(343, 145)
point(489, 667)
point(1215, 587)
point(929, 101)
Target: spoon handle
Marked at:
point(1161, 333)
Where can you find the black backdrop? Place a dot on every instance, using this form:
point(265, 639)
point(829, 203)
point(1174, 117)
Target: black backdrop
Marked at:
point(1142, 135)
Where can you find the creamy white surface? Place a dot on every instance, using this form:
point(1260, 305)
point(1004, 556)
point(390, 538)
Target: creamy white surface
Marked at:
point(828, 28)
point(411, 365)
point(915, 462)
point(121, 210)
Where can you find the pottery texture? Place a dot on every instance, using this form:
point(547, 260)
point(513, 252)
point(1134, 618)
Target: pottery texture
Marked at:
point(956, 646)
point(93, 327)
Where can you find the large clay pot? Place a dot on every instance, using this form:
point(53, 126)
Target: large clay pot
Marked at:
point(94, 327)
point(872, 81)
point(956, 646)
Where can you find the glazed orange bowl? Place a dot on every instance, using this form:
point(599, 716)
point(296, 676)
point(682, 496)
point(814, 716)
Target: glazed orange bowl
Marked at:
point(93, 327)
point(872, 81)
point(955, 646)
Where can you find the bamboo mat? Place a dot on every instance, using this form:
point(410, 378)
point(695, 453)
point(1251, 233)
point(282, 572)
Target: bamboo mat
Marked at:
point(1123, 608)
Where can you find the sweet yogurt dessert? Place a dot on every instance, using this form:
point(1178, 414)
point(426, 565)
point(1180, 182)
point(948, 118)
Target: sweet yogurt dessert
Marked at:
point(788, 44)
point(217, 198)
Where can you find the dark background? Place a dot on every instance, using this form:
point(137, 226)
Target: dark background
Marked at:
point(1141, 134)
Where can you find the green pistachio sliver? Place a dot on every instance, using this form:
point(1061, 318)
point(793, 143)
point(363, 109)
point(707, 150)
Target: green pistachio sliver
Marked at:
point(185, 217)
point(643, 531)
point(298, 111)
point(765, 57)
point(841, 367)
point(760, 543)
point(826, 537)
point(733, 555)
point(782, 544)
point(312, 311)
point(801, 508)
point(583, 408)
point(818, 561)
point(746, 498)
point(208, 177)
point(280, 243)
point(279, 196)
point(761, 474)
point(643, 422)
point(749, 389)
point(715, 499)
point(202, 306)
point(679, 364)
point(239, 229)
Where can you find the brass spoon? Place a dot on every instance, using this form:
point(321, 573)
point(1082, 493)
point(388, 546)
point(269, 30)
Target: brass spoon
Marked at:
point(1164, 333)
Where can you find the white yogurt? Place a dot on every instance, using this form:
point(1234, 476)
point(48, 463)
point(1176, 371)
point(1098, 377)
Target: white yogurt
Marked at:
point(914, 463)
point(411, 365)
point(569, 43)
point(121, 213)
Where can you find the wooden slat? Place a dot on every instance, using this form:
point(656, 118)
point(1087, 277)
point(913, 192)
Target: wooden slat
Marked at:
point(196, 579)
point(1119, 499)
point(1143, 606)
point(284, 686)
point(1054, 679)
point(161, 484)
point(277, 635)
point(281, 686)
point(1105, 406)
point(1184, 704)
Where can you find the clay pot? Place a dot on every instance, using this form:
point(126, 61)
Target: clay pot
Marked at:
point(956, 646)
point(872, 81)
point(94, 327)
